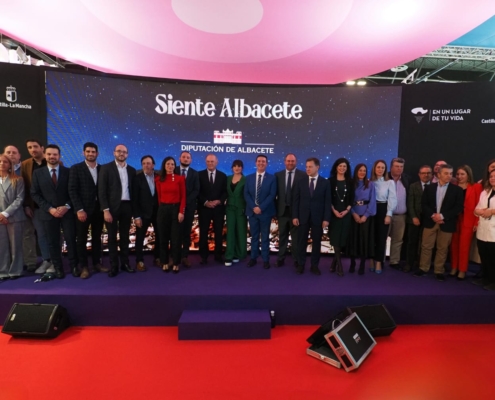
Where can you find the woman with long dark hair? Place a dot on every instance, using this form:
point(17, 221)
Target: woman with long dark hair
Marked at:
point(361, 239)
point(386, 201)
point(342, 187)
point(171, 191)
point(467, 223)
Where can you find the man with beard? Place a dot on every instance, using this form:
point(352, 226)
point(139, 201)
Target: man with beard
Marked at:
point(34, 223)
point(50, 190)
point(192, 191)
point(114, 192)
point(83, 192)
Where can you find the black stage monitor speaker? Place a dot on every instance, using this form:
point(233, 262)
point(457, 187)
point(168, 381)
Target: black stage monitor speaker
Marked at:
point(376, 318)
point(36, 320)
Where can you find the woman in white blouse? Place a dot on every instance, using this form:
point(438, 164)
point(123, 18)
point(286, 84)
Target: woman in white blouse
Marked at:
point(386, 201)
point(485, 234)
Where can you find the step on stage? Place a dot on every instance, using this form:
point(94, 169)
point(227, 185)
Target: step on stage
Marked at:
point(155, 298)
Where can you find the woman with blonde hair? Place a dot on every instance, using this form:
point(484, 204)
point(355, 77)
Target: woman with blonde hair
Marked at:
point(467, 223)
point(11, 218)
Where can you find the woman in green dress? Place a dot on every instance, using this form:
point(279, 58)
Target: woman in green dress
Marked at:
point(342, 199)
point(236, 216)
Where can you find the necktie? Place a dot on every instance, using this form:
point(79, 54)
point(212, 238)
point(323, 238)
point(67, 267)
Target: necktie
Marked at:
point(258, 190)
point(312, 187)
point(211, 178)
point(54, 176)
point(288, 190)
point(184, 172)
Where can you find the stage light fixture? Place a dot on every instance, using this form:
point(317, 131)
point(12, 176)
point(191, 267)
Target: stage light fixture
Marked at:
point(351, 83)
point(361, 83)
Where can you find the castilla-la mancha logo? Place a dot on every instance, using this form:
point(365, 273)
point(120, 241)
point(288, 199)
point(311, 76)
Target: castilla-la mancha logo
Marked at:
point(227, 136)
point(11, 94)
point(419, 113)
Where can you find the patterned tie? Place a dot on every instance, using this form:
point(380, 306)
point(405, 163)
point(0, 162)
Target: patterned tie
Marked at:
point(258, 190)
point(312, 187)
point(184, 173)
point(211, 179)
point(54, 176)
point(288, 191)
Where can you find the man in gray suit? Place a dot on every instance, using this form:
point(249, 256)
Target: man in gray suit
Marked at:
point(285, 184)
point(12, 218)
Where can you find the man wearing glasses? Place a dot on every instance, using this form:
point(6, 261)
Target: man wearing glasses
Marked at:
point(414, 223)
point(114, 192)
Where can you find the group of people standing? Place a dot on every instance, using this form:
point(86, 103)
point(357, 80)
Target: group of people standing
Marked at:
point(360, 211)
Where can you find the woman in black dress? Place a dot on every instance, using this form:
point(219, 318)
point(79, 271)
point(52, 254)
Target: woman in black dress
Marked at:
point(342, 199)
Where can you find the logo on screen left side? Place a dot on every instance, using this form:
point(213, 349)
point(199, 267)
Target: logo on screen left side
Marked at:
point(11, 94)
point(11, 97)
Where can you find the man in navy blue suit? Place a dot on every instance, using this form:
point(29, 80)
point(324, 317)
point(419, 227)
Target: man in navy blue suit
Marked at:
point(260, 191)
point(311, 209)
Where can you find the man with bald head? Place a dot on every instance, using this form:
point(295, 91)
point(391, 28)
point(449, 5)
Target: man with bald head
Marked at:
point(114, 193)
point(211, 207)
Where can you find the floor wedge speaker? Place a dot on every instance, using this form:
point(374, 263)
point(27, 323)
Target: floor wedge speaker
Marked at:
point(376, 318)
point(36, 320)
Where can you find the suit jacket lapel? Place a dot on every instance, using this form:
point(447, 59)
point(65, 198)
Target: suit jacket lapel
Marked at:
point(5, 186)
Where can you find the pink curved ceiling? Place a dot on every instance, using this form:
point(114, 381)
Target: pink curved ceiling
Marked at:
point(255, 41)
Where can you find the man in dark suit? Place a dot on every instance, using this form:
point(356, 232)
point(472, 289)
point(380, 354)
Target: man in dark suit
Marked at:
point(145, 209)
point(114, 191)
point(50, 190)
point(311, 210)
point(260, 191)
point(211, 207)
point(285, 184)
point(192, 191)
point(83, 192)
point(414, 224)
point(441, 203)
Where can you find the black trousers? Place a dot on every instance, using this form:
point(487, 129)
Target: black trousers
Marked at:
point(170, 233)
point(94, 220)
point(286, 227)
point(186, 230)
point(413, 244)
point(302, 243)
point(381, 232)
point(206, 215)
point(487, 256)
point(121, 224)
point(52, 230)
point(141, 234)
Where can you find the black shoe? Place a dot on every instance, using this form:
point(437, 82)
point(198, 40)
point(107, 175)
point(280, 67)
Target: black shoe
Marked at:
point(4, 278)
point(204, 261)
point(114, 271)
point(31, 268)
point(406, 269)
point(315, 270)
point(352, 268)
point(491, 286)
point(266, 265)
point(76, 272)
point(334, 264)
point(59, 273)
point(127, 268)
point(395, 266)
point(14, 277)
point(440, 277)
point(280, 263)
point(361, 270)
point(419, 272)
point(251, 263)
point(480, 282)
point(299, 269)
point(219, 259)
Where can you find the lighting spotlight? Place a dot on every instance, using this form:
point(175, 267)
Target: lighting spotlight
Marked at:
point(351, 83)
point(361, 83)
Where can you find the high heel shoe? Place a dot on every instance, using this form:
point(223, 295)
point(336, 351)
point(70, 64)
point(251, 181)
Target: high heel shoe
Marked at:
point(175, 269)
point(165, 268)
point(453, 273)
point(352, 268)
point(378, 271)
point(461, 276)
point(372, 268)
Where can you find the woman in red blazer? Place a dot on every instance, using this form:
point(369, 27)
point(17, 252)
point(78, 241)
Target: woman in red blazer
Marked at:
point(467, 223)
